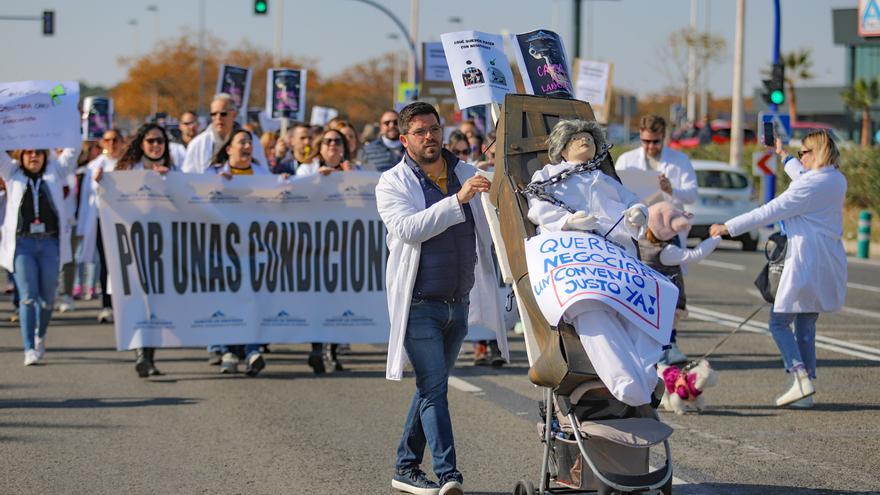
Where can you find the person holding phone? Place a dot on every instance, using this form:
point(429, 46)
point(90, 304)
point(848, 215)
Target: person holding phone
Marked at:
point(814, 275)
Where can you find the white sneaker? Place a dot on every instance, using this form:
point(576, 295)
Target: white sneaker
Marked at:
point(66, 304)
point(229, 364)
point(30, 357)
point(105, 315)
point(451, 487)
point(255, 363)
point(801, 387)
point(39, 347)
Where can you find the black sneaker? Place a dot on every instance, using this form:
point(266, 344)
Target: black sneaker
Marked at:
point(415, 482)
point(452, 485)
point(316, 361)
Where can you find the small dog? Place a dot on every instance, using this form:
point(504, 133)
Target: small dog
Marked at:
point(684, 389)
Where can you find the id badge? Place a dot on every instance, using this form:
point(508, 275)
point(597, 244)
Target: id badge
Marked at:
point(38, 228)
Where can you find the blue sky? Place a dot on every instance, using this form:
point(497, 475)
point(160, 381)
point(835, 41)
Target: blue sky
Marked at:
point(92, 34)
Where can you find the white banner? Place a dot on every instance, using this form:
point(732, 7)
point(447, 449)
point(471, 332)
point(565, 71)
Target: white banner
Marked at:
point(479, 68)
point(39, 115)
point(567, 267)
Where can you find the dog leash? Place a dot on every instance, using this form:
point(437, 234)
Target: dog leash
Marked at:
point(693, 364)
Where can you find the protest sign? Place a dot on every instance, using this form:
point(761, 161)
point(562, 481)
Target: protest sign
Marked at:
point(479, 69)
point(97, 117)
point(236, 82)
point(643, 183)
point(198, 259)
point(542, 63)
point(322, 115)
point(592, 84)
point(39, 115)
point(286, 94)
point(435, 68)
point(567, 267)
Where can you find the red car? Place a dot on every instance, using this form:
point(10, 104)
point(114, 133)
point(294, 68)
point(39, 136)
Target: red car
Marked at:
point(689, 138)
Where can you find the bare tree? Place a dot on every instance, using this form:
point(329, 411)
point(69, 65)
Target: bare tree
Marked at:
point(672, 57)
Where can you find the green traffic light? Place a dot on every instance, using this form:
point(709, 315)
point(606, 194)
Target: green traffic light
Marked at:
point(777, 97)
point(260, 7)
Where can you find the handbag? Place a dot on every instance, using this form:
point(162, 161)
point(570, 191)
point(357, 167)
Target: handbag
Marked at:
point(768, 280)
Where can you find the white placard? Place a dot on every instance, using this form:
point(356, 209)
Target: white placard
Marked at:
point(39, 115)
point(567, 267)
point(591, 81)
point(436, 69)
point(643, 183)
point(479, 68)
point(322, 115)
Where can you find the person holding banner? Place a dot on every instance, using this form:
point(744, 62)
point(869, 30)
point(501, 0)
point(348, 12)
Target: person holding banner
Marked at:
point(87, 227)
point(203, 149)
point(440, 249)
point(35, 238)
point(623, 355)
point(814, 275)
point(331, 155)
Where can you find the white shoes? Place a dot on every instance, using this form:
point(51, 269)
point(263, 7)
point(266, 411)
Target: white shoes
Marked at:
point(451, 487)
point(39, 347)
point(30, 357)
point(105, 315)
point(229, 364)
point(805, 403)
point(66, 304)
point(801, 388)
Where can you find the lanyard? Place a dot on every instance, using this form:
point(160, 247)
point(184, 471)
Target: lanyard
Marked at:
point(35, 188)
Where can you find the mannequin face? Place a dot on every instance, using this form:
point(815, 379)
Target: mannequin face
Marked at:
point(580, 148)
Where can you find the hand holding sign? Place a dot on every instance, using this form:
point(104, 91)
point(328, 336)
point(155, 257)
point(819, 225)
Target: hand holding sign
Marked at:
point(471, 187)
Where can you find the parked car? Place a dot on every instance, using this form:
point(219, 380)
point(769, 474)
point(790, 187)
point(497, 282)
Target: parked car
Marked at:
point(724, 192)
point(689, 138)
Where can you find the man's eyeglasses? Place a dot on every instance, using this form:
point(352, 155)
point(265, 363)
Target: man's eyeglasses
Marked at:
point(155, 140)
point(651, 141)
point(802, 153)
point(219, 114)
point(329, 141)
point(435, 130)
point(389, 123)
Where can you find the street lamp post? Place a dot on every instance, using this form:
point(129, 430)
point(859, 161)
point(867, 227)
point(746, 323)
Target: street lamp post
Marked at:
point(155, 10)
point(414, 66)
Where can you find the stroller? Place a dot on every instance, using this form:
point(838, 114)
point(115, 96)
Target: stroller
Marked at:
point(593, 443)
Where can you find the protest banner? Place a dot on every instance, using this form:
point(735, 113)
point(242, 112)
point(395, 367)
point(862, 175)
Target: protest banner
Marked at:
point(97, 117)
point(567, 267)
point(39, 115)
point(197, 260)
point(236, 82)
point(322, 115)
point(286, 94)
point(479, 69)
point(542, 64)
point(436, 81)
point(592, 84)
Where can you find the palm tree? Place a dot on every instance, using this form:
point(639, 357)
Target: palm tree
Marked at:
point(861, 97)
point(797, 68)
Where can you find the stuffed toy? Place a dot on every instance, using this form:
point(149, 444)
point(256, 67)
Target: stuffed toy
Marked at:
point(685, 387)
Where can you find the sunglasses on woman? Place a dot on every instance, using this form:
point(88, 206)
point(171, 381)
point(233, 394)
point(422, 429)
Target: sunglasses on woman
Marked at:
point(329, 141)
point(155, 140)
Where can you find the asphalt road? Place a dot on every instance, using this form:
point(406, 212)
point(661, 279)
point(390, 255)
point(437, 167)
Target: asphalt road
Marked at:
point(84, 423)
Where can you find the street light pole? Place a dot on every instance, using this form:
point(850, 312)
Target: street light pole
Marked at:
point(414, 67)
point(201, 90)
point(736, 120)
point(155, 10)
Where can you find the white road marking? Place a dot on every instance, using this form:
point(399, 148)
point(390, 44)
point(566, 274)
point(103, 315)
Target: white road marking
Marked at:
point(722, 264)
point(869, 288)
point(458, 383)
point(823, 342)
point(860, 312)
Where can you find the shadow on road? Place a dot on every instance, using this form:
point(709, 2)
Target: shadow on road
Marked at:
point(97, 403)
point(742, 489)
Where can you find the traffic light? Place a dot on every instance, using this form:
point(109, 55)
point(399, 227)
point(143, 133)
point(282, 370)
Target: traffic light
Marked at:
point(261, 7)
point(775, 86)
point(48, 22)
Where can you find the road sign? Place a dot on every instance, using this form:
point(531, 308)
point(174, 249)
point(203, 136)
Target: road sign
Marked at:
point(781, 125)
point(763, 163)
point(869, 18)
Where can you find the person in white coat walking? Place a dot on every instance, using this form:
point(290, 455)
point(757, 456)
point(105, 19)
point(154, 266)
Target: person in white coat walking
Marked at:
point(35, 240)
point(439, 249)
point(814, 274)
point(203, 149)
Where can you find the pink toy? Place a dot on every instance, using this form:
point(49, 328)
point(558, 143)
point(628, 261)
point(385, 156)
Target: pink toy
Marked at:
point(685, 389)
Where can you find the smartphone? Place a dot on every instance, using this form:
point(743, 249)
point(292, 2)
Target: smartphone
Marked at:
point(769, 137)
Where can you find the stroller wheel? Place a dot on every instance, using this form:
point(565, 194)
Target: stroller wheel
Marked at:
point(667, 488)
point(524, 487)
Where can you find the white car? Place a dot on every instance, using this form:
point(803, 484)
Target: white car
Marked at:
point(724, 192)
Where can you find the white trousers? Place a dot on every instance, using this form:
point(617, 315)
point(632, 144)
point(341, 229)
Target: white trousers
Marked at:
point(623, 356)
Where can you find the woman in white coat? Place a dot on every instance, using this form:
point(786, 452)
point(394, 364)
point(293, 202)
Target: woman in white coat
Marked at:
point(35, 238)
point(87, 229)
point(623, 356)
point(814, 275)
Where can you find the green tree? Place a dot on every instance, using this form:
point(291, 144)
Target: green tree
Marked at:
point(860, 98)
point(797, 69)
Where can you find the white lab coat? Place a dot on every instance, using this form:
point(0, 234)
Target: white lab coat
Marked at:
point(55, 177)
point(178, 154)
point(675, 165)
point(593, 192)
point(401, 205)
point(87, 223)
point(622, 355)
point(814, 277)
point(200, 152)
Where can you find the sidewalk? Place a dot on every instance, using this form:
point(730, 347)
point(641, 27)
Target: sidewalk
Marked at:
point(851, 248)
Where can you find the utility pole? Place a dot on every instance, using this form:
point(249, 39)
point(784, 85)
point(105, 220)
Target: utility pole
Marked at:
point(704, 89)
point(736, 131)
point(200, 98)
point(692, 67)
point(414, 37)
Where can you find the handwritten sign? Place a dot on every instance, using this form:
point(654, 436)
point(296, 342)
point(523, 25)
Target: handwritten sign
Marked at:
point(568, 267)
point(39, 115)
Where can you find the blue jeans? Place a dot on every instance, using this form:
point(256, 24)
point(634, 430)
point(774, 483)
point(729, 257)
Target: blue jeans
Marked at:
point(36, 277)
point(798, 349)
point(434, 333)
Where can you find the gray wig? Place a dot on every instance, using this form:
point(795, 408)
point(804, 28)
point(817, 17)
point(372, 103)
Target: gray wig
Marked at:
point(565, 129)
